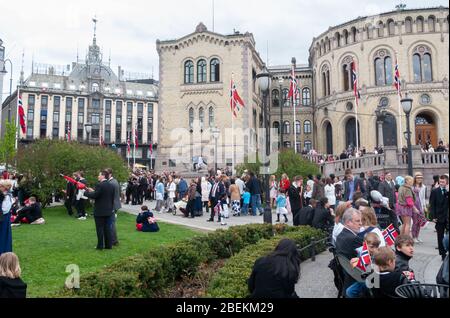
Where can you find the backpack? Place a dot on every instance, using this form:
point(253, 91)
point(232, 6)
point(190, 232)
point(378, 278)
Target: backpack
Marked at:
point(442, 276)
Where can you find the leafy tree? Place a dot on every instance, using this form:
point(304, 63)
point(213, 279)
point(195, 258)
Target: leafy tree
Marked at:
point(288, 162)
point(43, 161)
point(8, 144)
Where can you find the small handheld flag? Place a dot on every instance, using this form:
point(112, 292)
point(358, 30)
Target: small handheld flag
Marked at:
point(364, 260)
point(390, 235)
point(21, 112)
point(79, 185)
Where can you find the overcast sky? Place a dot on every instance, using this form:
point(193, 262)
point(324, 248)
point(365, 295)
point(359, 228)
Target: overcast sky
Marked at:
point(52, 30)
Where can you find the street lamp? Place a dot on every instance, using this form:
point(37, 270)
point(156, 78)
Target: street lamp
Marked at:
point(407, 107)
point(216, 134)
point(264, 81)
point(88, 128)
point(380, 112)
point(280, 81)
point(3, 71)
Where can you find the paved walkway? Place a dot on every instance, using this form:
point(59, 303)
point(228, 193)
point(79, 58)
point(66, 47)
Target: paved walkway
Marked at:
point(316, 280)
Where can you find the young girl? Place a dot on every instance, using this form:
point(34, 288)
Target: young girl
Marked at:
point(146, 222)
point(273, 191)
point(281, 206)
point(307, 195)
point(11, 285)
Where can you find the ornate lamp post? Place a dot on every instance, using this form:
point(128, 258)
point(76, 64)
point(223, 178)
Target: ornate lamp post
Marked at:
point(407, 108)
point(381, 116)
point(216, 134)
point(88, 128)
point(264, 81)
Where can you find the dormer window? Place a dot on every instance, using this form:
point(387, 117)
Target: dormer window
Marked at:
point(95, 87)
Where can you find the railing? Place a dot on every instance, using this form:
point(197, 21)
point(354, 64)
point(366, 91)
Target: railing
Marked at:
point(357, 165)
point(402, 158)
point(436, 159)
point(312, 247)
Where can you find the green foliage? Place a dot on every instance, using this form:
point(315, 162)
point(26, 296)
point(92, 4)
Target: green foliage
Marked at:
point(231, 280)
point(147, 274)
point(8, 143)
point(288, 162)
point(44, 161)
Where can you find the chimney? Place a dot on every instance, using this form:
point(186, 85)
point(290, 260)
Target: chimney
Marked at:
point(294, 62)
point(119, 72)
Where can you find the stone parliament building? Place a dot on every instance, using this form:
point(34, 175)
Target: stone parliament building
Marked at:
point(192, 97)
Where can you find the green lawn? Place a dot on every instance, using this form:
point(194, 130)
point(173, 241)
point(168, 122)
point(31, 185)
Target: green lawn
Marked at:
point(46, 250)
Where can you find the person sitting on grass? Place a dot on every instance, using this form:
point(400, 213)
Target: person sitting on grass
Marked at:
point(390, 278)
point(357, 290)
point(404, 251)
point(30, 214)
point(145, 221)
point(11, 285)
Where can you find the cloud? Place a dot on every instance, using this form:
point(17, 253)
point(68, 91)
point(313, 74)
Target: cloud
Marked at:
point(51, 30)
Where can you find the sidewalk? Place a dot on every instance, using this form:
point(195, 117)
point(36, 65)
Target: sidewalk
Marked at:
point(200, 222)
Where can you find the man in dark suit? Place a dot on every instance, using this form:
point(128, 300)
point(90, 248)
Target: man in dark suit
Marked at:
point(439, 212)
point(387, 190)
point(306, 214)
point(295, 196)
point(352, 185)
point(117, 206)
point(217, 192)
point(69, 196)
point(348, 241)
point(103, 209)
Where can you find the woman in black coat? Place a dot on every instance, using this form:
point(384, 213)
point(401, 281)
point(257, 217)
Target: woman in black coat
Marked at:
point(275, 275)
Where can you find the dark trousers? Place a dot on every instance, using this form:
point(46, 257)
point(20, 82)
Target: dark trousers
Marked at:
point(128, 195)
point(68, 204)
point(135, 200)
point(22, 215)
point(206, 205)
point(80, 207)
point(440, 229)
point(190, 208)
point(103, 227)
point(213, 205)
point(113, 229)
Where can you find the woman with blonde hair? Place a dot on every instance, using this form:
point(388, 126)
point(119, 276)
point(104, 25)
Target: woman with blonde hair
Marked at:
point(6, 202)
point(273, 191)
point(406, 205)
point(370, 224)
point(11, 285)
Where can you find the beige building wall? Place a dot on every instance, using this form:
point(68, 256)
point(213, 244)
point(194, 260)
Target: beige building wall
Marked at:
point(387, 33)
point(238, 59)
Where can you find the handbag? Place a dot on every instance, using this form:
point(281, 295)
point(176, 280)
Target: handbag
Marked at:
point(409, 202)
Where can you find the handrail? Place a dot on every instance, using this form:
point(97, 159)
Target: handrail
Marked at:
point(312, 247)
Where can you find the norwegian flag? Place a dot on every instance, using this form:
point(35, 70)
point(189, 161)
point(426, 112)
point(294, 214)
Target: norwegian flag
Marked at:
point(136, 137)
point(397, 81)
point(21, 112)
point(150, 149)
point(68, 133)
point(128, 146)
point(235, 99)
point(293, 88)
point(390, 235)
point(355, 83)
point(364, 260)
point(79, 185)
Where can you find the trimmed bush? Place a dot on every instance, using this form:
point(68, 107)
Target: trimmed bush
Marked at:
point(231, 280)
point(147, 274)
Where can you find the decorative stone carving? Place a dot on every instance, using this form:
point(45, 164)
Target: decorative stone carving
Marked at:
point(201, 28)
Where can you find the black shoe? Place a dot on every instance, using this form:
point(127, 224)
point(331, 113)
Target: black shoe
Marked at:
point(210, 220)
point(116, 244)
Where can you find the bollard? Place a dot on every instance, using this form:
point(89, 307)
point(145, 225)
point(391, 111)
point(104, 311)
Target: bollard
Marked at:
point(313, 249)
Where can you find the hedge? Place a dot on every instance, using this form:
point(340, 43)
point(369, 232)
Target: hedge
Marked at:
point(231, 280)
point(147, 274)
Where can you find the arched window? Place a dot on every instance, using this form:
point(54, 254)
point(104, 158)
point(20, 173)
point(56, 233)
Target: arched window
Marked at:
point(338, 39)
point(201, 117)
point(307, 128)
point(286, 128)
point(188, 72)
point(298, 127)
point(383, 68)
point(345, 37)
point(422, 64)
point(419, 23)
point(380, 29)
point(391, 27)
point(201, 71)
point(276, 125)
point(408, 25)
point(306, 96)
point(275, 98)
point(298, 98)
point(215, 70)
point(431, 23)
point(353, 35)
point(211, 117)
point(308, 145)
point(325, 81)
point(328, 45)
point(347, 73)
point(286, 100)
point(191, 118)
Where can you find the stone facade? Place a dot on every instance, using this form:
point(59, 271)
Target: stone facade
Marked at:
point(420, 40)
point(194, 99)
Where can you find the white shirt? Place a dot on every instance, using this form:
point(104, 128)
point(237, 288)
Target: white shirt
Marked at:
point(336, 231)
point(7, 203)
point(240, 184)
point(171, 188)
point(330, 194)
point(311, 184)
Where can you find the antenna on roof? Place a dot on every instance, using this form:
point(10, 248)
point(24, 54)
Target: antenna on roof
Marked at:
point(152, 72)
point(77, 54)
point(21, 71)
point(32, 63)
point(267, 63)
point(109, 62)
point(213, 13)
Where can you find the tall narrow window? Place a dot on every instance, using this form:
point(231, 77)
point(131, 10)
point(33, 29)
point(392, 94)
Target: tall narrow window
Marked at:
point(286, 128)
point(419, 23)
point(201, 117)
point(380, 29)
point(211, 117)
point(346, 74)
point(408, 25)
point(422, 64)
point(191, 118)
point(275, 98)
point(201, 71)
point(298, 127)
point(276, 125)
point(215, 70)
point(391, 27)
point(427, 71)
point(189, 72)
point(417, 68)
point(324, 83)
point(388, 70)
point(306, 96)
point(286, 100)
point(307, 127)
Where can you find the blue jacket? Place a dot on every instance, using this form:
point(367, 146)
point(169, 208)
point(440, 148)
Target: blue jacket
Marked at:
point(246, 197)
point(160, 188)
point(182, 186)
point(281, 201)
point(142, 218)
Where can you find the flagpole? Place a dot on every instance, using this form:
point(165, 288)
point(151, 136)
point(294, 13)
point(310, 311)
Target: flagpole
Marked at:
point(128, 150)
point(295, 112)
point(17, 119)
point(357, 126)
point(232, 129)
point(134, 150)
point(399, 105)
